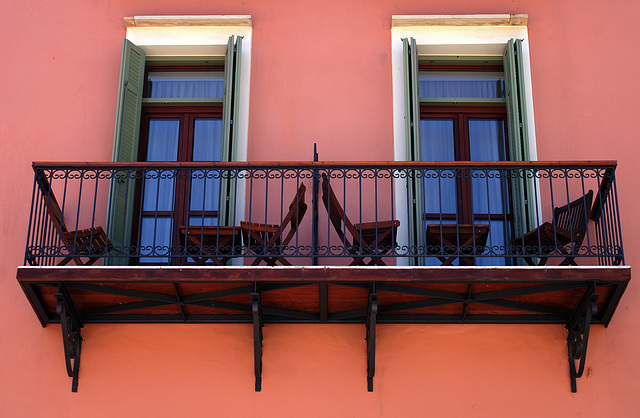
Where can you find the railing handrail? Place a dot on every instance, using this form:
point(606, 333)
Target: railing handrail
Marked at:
point(328, 164)
point(515, 192)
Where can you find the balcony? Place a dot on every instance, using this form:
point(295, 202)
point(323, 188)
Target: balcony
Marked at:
point(482, 242)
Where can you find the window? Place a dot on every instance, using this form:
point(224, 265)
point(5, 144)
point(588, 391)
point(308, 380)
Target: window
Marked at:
point(463, 118)
point(463, 102)
point(187, 129)
point(165, 202)
point(176, 104)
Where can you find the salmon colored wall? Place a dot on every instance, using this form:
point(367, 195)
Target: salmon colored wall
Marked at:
point(321, 72)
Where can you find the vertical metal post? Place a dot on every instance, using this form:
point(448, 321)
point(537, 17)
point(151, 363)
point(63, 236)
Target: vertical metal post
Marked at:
point(323, 286)
point(72, 341)
point(372, 312)
point(578, 336)
point(619, 254)
point(28, 257)
point(314, 204)
point(256, 312)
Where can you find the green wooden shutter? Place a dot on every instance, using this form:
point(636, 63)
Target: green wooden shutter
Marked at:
point(125, 148)
point(233, 146)
point(227, 100)
point(232, 70)
point(412, 132)
point(522, 187)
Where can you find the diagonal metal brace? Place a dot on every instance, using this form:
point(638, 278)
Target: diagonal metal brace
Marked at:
point(578, 326)
point(372, 311)
point(256, 312)
point(72, 341)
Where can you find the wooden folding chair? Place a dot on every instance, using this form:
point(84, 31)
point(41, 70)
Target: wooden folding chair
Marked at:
point(269, 242)
point(88, 243)
point(564, 235)
point(368, 239)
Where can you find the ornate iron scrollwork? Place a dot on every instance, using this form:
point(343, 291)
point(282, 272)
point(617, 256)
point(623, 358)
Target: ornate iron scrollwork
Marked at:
point(578, 338)
point(71, 339)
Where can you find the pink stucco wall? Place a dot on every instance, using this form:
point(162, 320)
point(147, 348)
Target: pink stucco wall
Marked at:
point(321, 72)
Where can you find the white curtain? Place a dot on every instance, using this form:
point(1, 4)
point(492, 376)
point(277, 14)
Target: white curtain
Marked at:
point(175, 85)
point(452, 86)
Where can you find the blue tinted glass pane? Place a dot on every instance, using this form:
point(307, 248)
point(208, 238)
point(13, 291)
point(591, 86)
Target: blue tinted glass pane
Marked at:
point(207, 139)
point(155, 239)
point(495, 243)
point(437, 144)
point(487, 143)
point(205, 184)
point(454, 84)
point(203, 220)
point(163, 139)
point(486, 139)
point(185, 84)
point(163, 146)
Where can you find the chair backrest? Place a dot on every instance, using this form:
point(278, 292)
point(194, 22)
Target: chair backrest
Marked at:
point(297, 209)
point(52, 207)
point(336, 213)
point(573, 217)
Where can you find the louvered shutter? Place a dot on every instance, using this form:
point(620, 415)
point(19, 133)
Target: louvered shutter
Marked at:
point(522, 186)
point(412, 129)
point(232, 68)
point(125, 149)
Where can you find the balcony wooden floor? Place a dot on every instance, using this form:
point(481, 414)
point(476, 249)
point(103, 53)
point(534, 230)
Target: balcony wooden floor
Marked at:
point(324, 294)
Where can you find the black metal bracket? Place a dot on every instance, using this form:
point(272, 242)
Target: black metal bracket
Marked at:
point(256, 312)
point(578, 338)
point(72, 341)
point(372, 311)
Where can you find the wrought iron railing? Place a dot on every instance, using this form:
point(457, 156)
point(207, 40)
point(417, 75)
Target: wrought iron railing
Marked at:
point(422, 213)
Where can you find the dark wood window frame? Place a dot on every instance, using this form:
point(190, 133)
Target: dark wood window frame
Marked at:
point(187, 116)
point(461, 115)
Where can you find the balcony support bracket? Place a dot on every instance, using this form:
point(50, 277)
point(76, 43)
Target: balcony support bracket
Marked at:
point(372, 311)
point(258, 322)
point(72, 341)
point(578, 336)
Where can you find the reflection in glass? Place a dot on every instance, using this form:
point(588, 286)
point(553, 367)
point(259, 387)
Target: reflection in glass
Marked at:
point(486, 143)
point(155, 239)
point(437, 144)
point(163, 146)
point(205, 184)
point(489, 188)
point(158, 191)
point(495, 243)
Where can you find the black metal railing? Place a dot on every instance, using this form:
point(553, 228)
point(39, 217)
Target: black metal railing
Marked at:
point(423, 213)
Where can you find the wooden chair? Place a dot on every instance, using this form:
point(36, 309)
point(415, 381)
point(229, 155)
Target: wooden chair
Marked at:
point(369, 239)
point(564, 235)
point(269, 242)
point(88, 243)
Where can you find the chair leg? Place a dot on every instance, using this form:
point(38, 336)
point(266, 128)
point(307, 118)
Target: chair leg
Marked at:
point(358, 261)
point(569, 261)
point(543, 261)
